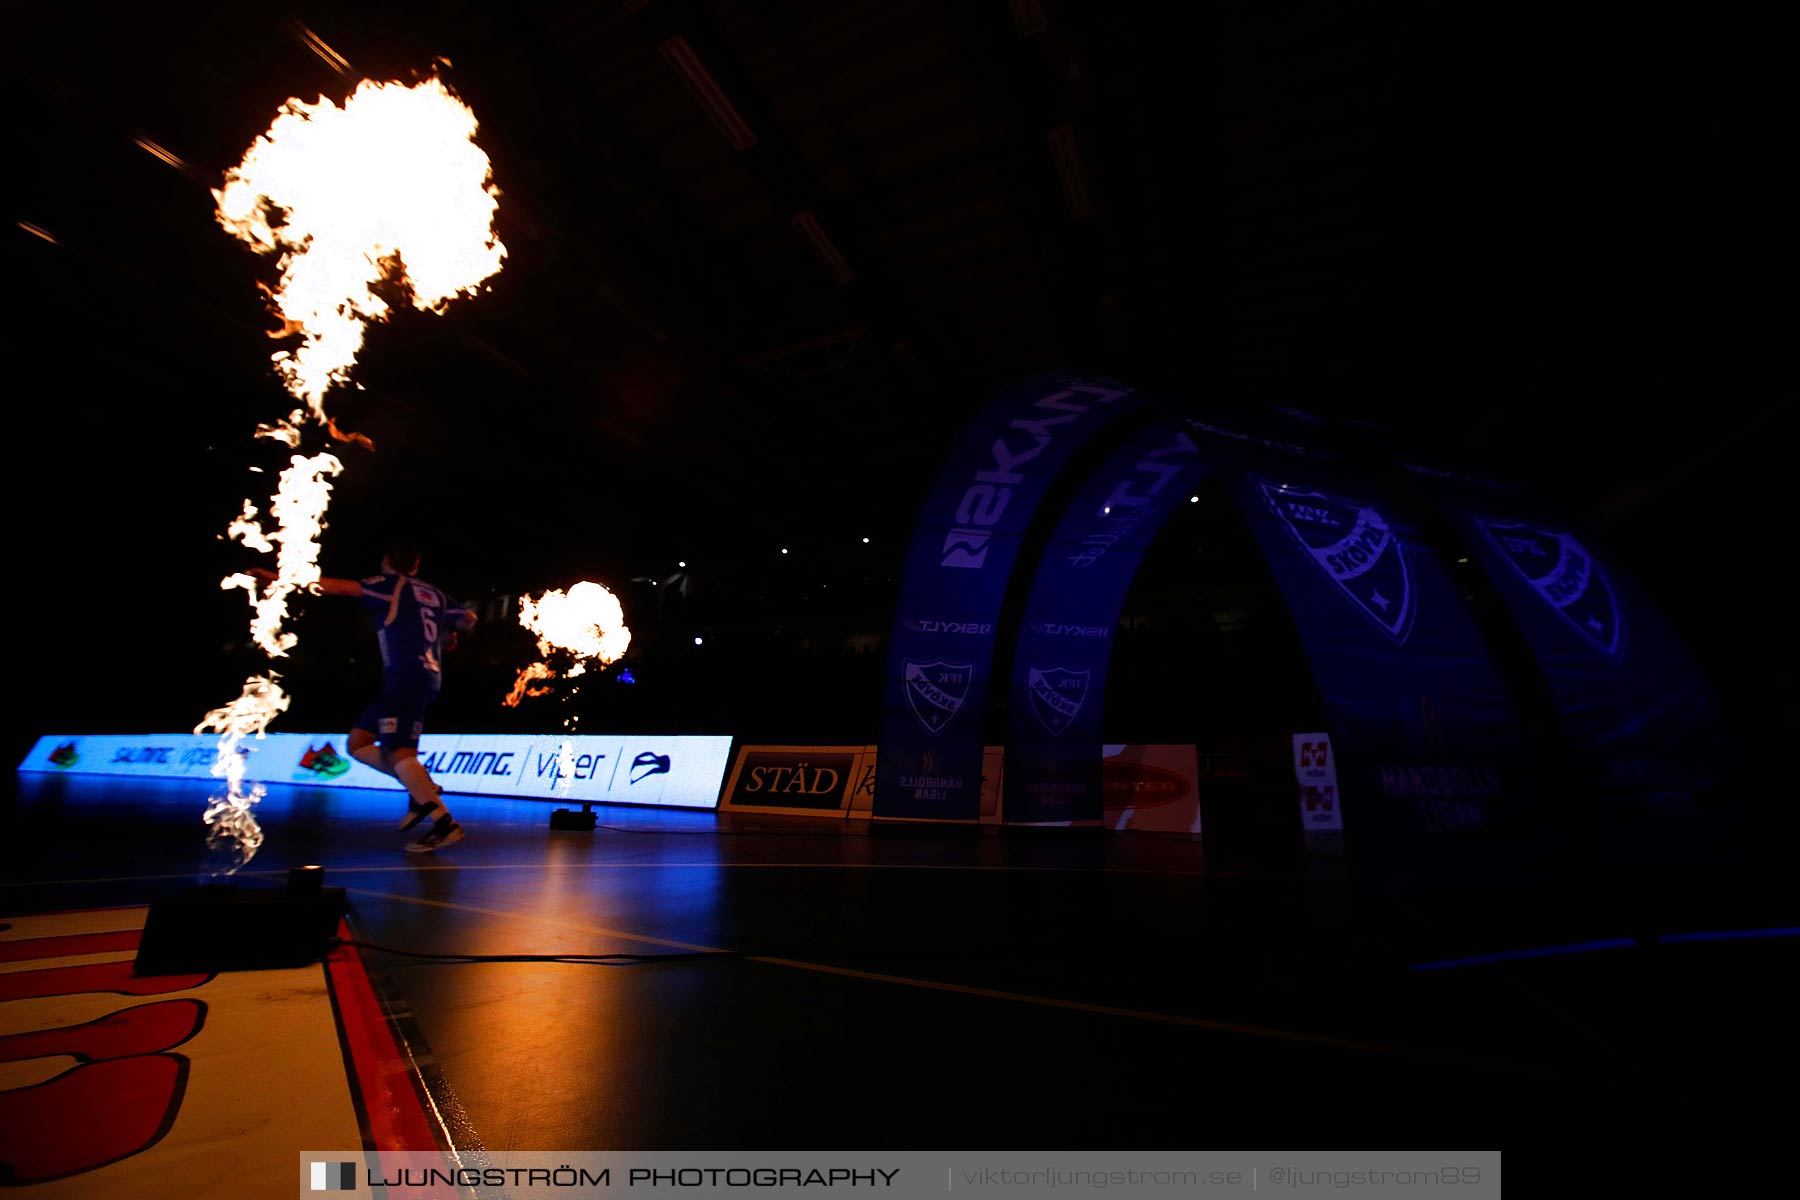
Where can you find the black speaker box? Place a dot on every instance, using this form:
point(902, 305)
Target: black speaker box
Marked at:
point(222, 927)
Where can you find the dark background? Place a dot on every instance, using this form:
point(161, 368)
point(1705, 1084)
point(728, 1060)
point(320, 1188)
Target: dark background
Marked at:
point(1536, 242)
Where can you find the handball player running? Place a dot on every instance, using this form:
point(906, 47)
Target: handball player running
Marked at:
point(414, 623)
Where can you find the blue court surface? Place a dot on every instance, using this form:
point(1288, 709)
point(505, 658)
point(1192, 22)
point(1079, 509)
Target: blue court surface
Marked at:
point(911, 987)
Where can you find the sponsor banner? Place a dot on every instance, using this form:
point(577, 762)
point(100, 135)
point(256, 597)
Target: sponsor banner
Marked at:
point(163, 755)
point(1153, 788)
point(1147, 787)
point(682, 772)
point(970, 529)
point(1065, 642)
point(1426, 743)
point(987, 800)
point(993, 772)
point(813, 781)
point(862, 792)
point(1315, 769)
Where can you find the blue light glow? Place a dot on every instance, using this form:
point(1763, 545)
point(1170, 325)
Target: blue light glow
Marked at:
point(1666, 939)
point(1477, 960)
point(1730, 935)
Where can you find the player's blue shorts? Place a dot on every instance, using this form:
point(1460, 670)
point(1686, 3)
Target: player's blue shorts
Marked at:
point(398, 717)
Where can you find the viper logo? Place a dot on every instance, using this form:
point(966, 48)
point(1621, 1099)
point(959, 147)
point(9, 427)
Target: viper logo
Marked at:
point(64, 756)
point(648, 764)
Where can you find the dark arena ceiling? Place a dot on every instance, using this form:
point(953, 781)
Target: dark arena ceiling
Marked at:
point(764, 259)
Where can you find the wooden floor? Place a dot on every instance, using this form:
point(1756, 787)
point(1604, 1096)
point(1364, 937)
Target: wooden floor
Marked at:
point(829, 986)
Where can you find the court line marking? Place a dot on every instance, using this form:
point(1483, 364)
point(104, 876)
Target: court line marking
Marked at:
point(1272, 1033)
point(68, 960)
point(412, 868)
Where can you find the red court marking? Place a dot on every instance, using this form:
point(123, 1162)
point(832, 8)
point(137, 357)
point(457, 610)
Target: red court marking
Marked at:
point(75, 943)
point(88, 1117)
point(76, 912)
point(146, 1029)
point(397, 1121)
point(100, 977)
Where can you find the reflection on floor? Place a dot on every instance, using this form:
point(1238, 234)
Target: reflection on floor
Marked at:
point(912, 988)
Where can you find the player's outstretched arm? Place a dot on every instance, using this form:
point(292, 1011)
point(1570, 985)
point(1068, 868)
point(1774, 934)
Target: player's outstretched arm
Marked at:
point(347, 588)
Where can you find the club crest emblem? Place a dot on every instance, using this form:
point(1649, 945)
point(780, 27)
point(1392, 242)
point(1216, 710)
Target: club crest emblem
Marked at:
point(1056, 696)
point(935, 691)
point(1564, 574)
point(1356, 549)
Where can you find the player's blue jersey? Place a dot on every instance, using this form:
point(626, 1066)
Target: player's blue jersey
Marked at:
point(413, 621)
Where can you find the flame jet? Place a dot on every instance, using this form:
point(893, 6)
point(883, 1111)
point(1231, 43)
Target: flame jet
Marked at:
point(388, 190)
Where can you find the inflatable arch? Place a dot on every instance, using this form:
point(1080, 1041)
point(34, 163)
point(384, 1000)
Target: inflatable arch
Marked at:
point(1426, 740)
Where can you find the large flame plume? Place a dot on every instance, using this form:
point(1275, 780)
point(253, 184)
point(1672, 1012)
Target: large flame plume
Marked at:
point(389, 189)
point(587, 621)
point(390, 186)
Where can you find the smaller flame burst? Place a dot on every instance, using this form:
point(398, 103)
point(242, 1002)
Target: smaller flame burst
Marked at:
point(586, 622)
